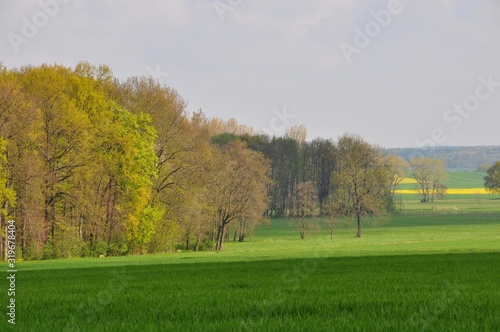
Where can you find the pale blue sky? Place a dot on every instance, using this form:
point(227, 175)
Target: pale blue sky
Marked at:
point(252, 59)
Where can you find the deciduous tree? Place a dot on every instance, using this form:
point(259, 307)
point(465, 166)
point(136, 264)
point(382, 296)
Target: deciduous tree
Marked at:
point(397, 168)
point(7, 195)
point(492, 179)
point(238, 188)
point(284, 156)
point(430, 175)
point(306, 204)
point(360, 180)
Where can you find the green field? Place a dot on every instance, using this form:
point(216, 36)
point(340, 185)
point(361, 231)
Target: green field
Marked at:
point(451, 204)
point(410, 293)
point(457, 179)
point(432, 267)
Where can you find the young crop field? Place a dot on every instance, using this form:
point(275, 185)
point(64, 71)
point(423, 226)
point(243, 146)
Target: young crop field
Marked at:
point(466, 193)
point(430, 267)
point(456, 292)
point(470, 182)
point(452, 191)
point(436, 272)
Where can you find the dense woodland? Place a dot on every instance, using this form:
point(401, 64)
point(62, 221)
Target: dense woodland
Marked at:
point(91, 165)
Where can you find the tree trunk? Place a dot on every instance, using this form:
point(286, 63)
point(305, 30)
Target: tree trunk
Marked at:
point(214, 232)
point(197, 245)
point(243, 227)
point(217, 239)
point(5, 247)
point(220, 238)
point(80, 228)
point(302, 229)
point(46, 222)
point(359, 225)
point(235, 234)
point(1, 237)
point(3, 220)
point(24, 237)
point(53, 224)
point(221, 242)
point(110, 214)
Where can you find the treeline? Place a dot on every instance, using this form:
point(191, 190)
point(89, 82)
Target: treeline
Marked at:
point(462, 157)
point(91, 165)
point(293, 161)
point(347, 177)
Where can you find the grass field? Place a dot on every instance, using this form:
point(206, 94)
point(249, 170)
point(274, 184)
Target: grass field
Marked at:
point(404, 293)
point(458, 191)
point(432, 267)
point(456, 180)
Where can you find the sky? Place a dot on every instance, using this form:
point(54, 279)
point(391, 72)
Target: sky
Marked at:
point(399, 73)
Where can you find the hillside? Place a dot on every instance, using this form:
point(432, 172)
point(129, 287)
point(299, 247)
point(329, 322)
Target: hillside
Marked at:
point(463, 157)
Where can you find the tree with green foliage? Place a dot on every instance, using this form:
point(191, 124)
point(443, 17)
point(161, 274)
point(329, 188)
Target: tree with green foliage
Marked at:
point(183, 149)
point(492, 179)
point(7, 196)
point(81, 165)
point(91, 165)
point(238, 187)
point(360, 180)
point(133, 175)
point(60, 139)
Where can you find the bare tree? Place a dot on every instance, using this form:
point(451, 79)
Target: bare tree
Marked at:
point(333, 210)
point(430, 175)
point(397, 168)
point(298, 133)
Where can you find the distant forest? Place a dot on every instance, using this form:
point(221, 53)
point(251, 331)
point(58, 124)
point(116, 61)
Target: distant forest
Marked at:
point(464, 157)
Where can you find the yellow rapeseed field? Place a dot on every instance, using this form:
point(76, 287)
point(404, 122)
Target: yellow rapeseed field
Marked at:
point(453, 191)
point(408, 181)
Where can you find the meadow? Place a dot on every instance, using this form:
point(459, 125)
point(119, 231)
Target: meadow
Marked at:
point(432, 267)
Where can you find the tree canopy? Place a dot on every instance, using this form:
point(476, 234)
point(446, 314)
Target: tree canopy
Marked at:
point(492, 179)
point(430, 175)
point(92, 165)
point(361, 179)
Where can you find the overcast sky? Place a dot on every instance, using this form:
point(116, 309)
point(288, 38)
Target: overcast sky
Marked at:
point(400, 75)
